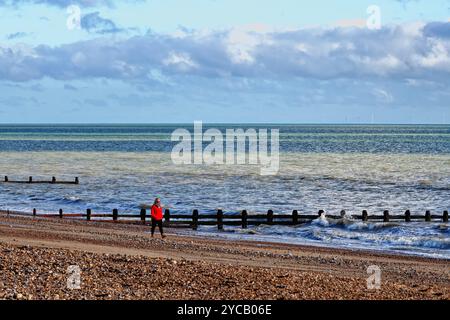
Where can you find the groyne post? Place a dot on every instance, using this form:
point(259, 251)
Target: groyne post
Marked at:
point(365, 216)
point(88, 214)
point(167, 215)
point(34, 212)
point(428, 216)
point(115, 214)
point(408, 216)
point(244, 216)
point(295, 217)
point(195, 219)
point(143, 214)
point(220, 219)
point(6, 179)
point(60, 213)
point(445, 216)
point(30, 179)
point(386, 216)
point(270, 217)
point(53, 179)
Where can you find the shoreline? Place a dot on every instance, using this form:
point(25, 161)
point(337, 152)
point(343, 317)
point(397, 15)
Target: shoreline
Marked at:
point(196, 267)
point(371, 251)
point(232, 235)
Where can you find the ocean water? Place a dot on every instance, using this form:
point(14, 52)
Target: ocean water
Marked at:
point(328, 167)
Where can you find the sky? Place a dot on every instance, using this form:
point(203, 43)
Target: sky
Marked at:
point(171, 61)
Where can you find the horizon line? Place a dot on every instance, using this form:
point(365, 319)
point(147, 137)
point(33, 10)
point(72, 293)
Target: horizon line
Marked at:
point(221, 123)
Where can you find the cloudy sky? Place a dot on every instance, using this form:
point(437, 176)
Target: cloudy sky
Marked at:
point(292, 61)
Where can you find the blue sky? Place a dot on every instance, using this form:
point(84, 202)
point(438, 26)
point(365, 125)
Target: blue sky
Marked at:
point(224, 61)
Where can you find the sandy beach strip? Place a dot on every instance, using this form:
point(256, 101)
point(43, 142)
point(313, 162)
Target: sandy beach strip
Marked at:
point(119, 261)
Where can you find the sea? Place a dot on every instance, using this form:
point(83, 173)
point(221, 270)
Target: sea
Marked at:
point(321, 167)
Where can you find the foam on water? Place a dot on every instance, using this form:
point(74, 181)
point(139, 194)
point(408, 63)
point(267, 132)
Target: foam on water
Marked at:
point(415, 238)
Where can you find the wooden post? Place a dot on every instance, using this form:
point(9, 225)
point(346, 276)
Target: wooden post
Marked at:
point(428, 216)
point(30, 179)
point(386, 216)
point(445, 216)
point(195, 219)
point(270, 217)
point(244, 219)
point(88, 214)
point(365, 216)
point(60, 213)
point(320, 212)
point(143, 214)
point(6, 179)
point(167, 215)
point(77, 181)
point(34, 212)
point(295, 217)
point(115, 214)
point(343, 213)
point(53, 179)
point(408, 216)
point(220, 219)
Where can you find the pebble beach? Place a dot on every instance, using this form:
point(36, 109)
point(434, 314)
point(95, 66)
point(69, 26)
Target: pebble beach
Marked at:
point(120, 261)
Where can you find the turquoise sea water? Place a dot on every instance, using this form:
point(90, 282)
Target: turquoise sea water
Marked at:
point(329, 167)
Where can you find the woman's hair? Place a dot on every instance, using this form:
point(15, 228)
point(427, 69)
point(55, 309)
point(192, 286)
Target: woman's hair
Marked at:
point(156, 201)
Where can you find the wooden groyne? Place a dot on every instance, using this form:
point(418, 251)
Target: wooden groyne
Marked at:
point(242, 219)
point(31, 180)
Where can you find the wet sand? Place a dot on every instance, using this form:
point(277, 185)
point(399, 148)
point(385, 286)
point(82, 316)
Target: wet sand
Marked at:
point(119, 261)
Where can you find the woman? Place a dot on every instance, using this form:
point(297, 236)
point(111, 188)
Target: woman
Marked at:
point(157, 217)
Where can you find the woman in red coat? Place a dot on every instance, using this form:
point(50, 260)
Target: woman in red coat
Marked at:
point(157, 217)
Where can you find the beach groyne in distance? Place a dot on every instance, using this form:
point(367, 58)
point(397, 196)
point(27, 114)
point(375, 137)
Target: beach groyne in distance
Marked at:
point(31, 180)
point(239, 219)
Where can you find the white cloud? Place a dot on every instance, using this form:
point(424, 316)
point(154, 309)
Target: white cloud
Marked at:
point(398, 52)
point(180, 60)
point(437, 57)
point(241, 41)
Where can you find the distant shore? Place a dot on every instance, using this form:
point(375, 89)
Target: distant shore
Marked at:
point(123, 262)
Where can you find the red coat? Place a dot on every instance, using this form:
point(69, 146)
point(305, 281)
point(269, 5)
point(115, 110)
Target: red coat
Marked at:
point(157, 213)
